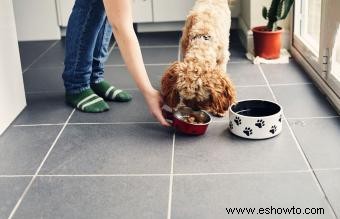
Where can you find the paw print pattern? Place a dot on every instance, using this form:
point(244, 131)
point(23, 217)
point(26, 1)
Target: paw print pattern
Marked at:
point(248, 131)
point(231, 125)
point(280, 119)
point(273, 129)
point(238, 121)
point(260, 123)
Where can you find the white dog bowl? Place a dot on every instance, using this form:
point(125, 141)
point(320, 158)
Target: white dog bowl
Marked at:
point(255, 119)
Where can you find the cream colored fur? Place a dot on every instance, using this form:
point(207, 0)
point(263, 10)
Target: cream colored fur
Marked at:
point(200, 80)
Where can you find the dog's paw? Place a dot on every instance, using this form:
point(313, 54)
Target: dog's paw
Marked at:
point(248, 131)
point(237, 120)
point(260, 123)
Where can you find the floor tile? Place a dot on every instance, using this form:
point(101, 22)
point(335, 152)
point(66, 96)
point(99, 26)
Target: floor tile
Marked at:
point(111, 149)
point(302, 101)
point(120, 77)
point(285, 73)
point(96, 197)
point(10, 192)
point(22, 149)
point(245, 74)
point(319, 139)
point(133, 111)
point(30, 51)
point(53, 58)
point(244, 93)
point(221, 151)
point(159, 39)
point(44, 108)
point(150, 56)
point(209, 196)
point(44, 79)
point(330, 183)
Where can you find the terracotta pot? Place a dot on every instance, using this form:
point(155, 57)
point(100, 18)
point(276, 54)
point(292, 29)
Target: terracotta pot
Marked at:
point(267, 44)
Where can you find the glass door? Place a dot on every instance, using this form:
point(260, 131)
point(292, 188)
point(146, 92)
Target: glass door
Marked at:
point(317, 38)
point(331, 43)
point(307, 29)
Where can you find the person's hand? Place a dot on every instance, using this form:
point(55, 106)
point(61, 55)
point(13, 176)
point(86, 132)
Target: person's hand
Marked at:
point(155, 103)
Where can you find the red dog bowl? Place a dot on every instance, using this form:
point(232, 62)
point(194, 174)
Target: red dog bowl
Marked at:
point(178, 120)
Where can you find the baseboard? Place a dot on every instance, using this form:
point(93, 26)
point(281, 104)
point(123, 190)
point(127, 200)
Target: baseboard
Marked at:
point(171, 26)
point(320, 83)
point(247, 38)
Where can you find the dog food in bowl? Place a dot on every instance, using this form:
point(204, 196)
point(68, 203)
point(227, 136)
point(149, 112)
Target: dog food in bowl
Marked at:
point(188, 121)
point(255, 119)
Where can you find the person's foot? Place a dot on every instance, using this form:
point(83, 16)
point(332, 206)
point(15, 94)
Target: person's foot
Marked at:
point(105, 90)
point(87, 101)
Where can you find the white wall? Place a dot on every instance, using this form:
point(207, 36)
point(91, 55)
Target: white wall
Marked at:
point(12, 93)
point(36, 20)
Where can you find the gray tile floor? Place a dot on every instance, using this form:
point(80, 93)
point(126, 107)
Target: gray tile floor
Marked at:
point(59, 163)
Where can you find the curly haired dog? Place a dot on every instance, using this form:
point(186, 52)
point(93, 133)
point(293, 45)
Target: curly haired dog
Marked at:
point(200, 80)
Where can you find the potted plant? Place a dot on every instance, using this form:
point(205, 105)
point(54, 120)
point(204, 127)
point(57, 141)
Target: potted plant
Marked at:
point(267, 39)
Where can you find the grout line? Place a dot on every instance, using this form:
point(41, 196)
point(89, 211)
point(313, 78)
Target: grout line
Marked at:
point(113, 46)
point(39, 168)
point(255, 85)
point(131, 123)
point(147, 64)
point(172, 155)
point(171, 176)
point(104, 175)
point(41, 55)
point(38, 125)
point(111, 123)
point(244, 173)
point(310, 168)
point(15, 176)
point(171, 173)
point(291, 84)
point(327, 169)
point(157, 46)
point(307, 118)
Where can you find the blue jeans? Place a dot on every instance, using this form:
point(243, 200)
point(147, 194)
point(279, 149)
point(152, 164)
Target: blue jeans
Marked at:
point(88, 36)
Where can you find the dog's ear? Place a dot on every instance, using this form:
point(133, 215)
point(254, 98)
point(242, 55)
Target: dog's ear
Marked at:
point(223, 94)
point(190, 21)
point(168, 85)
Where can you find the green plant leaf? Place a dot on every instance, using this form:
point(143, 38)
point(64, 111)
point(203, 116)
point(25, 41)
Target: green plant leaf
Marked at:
point(287, 6)
point(264, 12)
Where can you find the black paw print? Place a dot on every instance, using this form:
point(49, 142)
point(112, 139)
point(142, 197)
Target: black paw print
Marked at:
point(273, 129)
point(260, 123)
point(231, 125)
point(238, 121)
point(248, 131)
point(280, 119)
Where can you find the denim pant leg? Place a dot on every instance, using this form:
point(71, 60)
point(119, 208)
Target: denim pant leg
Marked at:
point(85, 22)
point(101, 52)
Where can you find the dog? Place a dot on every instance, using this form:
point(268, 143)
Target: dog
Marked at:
point(200, 80)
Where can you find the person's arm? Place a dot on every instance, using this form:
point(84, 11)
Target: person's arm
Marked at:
point(119, 13)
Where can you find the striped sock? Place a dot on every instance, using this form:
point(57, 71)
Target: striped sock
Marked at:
point(105, 90)
point(87, 101)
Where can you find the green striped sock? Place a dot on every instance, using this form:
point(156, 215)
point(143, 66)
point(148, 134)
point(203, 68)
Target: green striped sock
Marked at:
point(105, 90)
point(87, 101)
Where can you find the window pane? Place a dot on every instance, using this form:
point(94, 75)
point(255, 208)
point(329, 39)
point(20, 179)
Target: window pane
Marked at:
point(310, 23)
point(336, 59)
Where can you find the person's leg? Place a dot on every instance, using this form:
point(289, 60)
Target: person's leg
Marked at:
point(85, 22)
point(98, 84)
